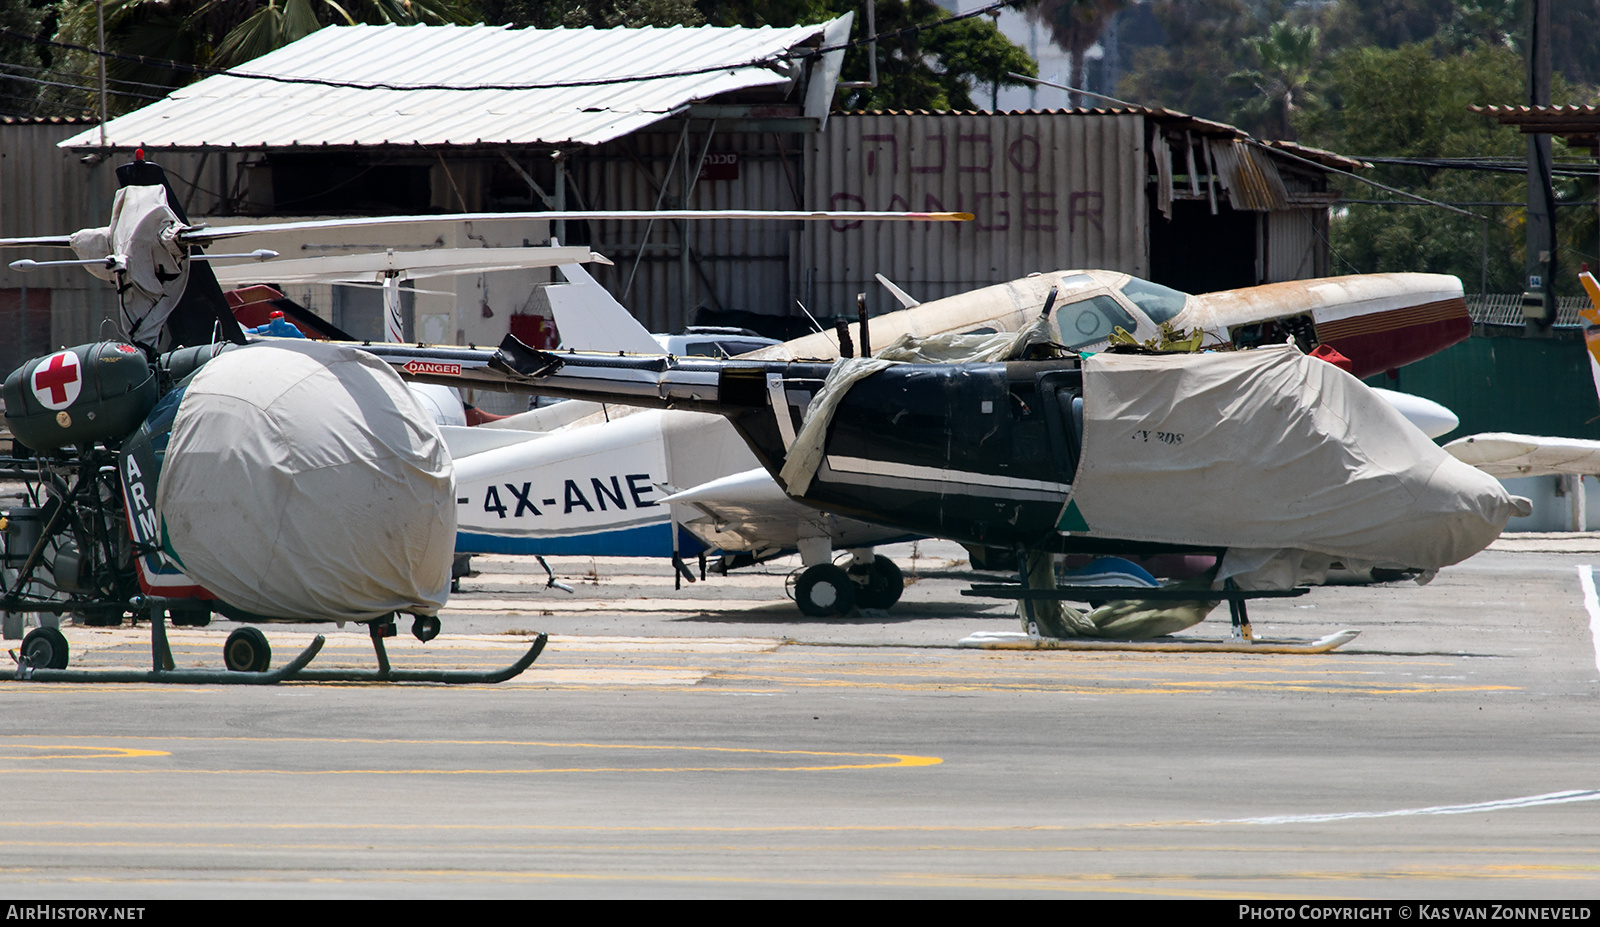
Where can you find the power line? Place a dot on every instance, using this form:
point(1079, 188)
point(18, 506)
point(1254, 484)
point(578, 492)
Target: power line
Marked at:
point(773, 62)
point(54, 83)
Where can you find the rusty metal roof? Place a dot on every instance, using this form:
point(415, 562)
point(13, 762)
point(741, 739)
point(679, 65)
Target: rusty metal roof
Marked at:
point(1578, 125)
point(461, 85)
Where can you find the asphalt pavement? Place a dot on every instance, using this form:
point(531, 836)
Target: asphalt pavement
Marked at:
point(710, 742)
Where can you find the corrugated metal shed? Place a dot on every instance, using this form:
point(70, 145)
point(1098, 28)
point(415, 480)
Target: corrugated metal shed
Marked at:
point(459, 86)
point(1049, 191)
point(47, 191)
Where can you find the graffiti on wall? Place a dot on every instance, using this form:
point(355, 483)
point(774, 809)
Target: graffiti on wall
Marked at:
point(943, 162)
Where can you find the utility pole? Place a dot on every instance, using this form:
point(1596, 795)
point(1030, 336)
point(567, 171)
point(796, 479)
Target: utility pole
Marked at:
point(1538, 299)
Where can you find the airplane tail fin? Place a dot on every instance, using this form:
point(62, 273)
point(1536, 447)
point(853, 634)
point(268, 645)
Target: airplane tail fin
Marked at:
point(589, 319)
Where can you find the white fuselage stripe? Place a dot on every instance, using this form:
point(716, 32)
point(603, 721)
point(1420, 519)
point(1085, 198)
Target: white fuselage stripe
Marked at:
point(937, 475)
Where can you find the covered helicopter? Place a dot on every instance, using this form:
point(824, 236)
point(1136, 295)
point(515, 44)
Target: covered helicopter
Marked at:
point(189, 471)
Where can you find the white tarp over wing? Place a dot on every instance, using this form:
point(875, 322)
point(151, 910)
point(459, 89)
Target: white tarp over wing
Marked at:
point(304, 481)
point(1277, 452)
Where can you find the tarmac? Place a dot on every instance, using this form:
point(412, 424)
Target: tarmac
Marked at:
point(710, 742)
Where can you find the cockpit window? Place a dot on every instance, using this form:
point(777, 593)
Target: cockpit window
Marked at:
point(1160, 303)
point(1090, 321)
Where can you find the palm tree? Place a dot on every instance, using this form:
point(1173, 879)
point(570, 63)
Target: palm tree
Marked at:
point(1287, 57)
point(1075, 26)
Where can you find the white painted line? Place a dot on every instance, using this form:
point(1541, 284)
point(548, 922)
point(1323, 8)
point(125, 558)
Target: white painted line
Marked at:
point(1592, 603)
point(1551, 798)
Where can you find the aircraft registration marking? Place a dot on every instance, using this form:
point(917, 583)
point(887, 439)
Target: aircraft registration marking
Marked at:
point(609, 490)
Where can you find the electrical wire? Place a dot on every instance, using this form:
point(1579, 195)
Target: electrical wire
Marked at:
point(773, 62)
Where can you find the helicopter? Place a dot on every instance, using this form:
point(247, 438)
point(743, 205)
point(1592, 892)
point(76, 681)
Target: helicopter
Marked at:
point(189, 469)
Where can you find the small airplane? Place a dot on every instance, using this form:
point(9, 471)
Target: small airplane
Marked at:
point(559, 490)
point(1279, 462)
point(210, 474)
point(154, 255)
point(1510, 455)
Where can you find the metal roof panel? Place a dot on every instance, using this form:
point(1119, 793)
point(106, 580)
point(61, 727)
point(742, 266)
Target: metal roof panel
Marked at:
point(457, 85)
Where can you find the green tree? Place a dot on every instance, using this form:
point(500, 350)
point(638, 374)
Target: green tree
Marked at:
point(928, 67)
point(20, 60)
point(605, 14)
point(1286, 61)
point(1204, 40)
point(212, 34)
point(1410, 103)
point(1075, 26)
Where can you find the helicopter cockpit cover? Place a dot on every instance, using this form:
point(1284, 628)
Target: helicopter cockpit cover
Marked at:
point(1288, 452)
point(303, 481)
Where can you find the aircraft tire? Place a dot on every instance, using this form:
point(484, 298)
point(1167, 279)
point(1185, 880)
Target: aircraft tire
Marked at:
point(425, 627)
point(825, 590)
point(247, 651)
point(45, 648)
point(883, 586)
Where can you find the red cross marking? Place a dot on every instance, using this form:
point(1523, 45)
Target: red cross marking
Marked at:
point(56, 377)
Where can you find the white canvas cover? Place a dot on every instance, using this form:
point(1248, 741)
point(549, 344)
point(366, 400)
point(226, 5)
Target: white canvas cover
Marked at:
point(304, 481)
point(1271, 451)
point(142, 234)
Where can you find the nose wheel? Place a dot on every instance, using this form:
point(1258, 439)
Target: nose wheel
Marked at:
point(879, 582)
point(45, 648)
point(825, 590)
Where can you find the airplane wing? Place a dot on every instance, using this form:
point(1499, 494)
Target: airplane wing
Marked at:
point(1509, 455)
point(748, 512)
point(409, 264)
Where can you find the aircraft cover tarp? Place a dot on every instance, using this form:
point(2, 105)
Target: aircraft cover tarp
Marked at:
point(1284, 451)
point(304, 481)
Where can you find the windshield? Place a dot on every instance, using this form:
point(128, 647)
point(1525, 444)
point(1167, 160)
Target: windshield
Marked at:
point(1160, 303)
point(1091, 321)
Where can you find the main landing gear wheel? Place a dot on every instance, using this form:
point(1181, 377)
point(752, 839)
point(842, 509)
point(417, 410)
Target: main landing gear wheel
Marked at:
point(825, 590)
point(425, 627)
point(883, 585)
point(45, 648)
point(247, 651)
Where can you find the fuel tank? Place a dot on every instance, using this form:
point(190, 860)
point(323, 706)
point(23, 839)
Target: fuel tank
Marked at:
point(92, 392)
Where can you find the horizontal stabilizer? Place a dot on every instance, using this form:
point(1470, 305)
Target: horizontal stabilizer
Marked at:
point(1509, 455)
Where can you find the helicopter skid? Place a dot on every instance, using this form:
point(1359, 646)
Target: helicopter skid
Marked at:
point(1017, 640)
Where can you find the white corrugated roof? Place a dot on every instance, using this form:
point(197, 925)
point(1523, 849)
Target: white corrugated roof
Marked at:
point(470, 62)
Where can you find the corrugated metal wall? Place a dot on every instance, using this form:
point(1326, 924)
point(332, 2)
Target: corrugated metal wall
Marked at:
point(1295, 249)
point(46, 191)
point(732, 265)
point(1050, 191)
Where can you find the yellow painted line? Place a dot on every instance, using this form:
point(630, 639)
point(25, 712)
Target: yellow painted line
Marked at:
point(883, 760)
point(78, 752)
